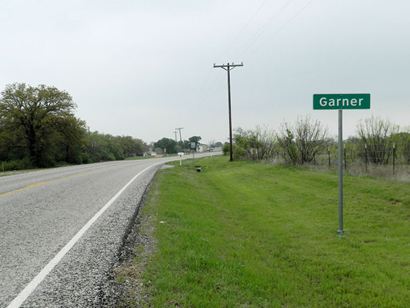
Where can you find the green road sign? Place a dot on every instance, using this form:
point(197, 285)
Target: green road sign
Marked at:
point(341, 101)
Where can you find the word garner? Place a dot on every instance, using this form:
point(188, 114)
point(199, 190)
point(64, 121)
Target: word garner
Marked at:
point(341, 101)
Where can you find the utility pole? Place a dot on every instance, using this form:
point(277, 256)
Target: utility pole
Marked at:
point(228, 67)
point(176, 138)
point(179, 129)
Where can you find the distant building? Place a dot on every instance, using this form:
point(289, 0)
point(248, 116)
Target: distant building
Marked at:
point(202, 148)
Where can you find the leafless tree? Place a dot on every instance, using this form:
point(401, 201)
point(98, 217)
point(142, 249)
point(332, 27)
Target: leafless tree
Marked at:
point(266, 143)
point(287, 143)
point(257, 144)
point(302, 141)
point(375, 135)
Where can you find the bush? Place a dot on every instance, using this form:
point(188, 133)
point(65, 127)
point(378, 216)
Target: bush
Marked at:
point(376, 136)
point(257, 144)
point(15, 165)
point(225, 148)
point(303, 141)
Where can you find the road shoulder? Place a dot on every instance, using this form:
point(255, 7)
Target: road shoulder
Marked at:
point(127, 285)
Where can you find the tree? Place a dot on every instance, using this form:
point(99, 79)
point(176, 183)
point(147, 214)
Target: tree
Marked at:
point(402, 143)
point(12, 143)
point(71, 140)
point(38, 128)
point(301, 142)
point(257, 144)
point(103, 147)
point(376, 138)
point(170, 145)
point(132, 146)
point(34, 113)
point(287, 142)
point(195, 139)
point(186, 145)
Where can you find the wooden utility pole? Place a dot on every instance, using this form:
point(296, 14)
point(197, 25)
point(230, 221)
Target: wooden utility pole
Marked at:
point(179, 129)
point(228, 67)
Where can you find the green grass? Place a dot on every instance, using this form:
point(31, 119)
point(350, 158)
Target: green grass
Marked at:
point(256, 235)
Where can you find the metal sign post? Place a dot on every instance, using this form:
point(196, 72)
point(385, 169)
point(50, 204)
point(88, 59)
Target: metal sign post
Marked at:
point(339, 102)
point(180, 154)
point(340, 150)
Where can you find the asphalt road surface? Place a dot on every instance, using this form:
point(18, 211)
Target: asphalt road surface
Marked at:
point(61, 229)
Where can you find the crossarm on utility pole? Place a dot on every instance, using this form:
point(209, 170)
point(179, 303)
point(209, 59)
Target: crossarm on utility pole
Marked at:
point(228, 66)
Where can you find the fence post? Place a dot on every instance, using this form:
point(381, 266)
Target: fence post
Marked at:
point(394, 158)
point(328, 157)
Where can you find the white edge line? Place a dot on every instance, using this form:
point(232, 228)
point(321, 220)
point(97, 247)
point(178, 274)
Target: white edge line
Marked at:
point(33, 284)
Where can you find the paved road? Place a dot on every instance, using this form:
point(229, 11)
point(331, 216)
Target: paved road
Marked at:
point(60, 230)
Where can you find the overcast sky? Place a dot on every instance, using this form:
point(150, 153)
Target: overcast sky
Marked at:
point(143, 68)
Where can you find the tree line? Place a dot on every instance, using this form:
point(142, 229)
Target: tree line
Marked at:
point(38, 128)
point(303, 142)
point(171, 146)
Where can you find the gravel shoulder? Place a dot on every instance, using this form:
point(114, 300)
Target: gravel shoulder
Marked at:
point(127, 288)
point(84, 277)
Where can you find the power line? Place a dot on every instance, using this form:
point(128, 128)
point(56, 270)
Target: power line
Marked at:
point(246, 25)
point(280, 28)
point(275, 14)
point(261, 30)
point(206, 85)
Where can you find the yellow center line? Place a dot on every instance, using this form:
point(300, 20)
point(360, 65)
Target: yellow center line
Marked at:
point(42, 183)
point(33, 185)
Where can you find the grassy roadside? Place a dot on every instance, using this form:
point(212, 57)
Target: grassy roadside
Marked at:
point(249, 234)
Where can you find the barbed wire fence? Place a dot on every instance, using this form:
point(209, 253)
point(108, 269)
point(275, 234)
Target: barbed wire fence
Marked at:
point(389, 162)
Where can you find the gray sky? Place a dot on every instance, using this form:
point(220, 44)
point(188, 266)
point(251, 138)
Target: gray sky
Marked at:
point(142, 68)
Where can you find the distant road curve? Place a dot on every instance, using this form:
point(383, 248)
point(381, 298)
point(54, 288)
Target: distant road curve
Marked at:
point(61, 229)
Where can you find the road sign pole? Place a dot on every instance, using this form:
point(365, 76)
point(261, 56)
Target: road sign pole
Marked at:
point(340, 230)
point(340, 102)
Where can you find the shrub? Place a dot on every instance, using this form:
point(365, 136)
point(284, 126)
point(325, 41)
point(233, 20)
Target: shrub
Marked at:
point(303, 141)
point(376, 135)
point(15, 165)
point(257, 144)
